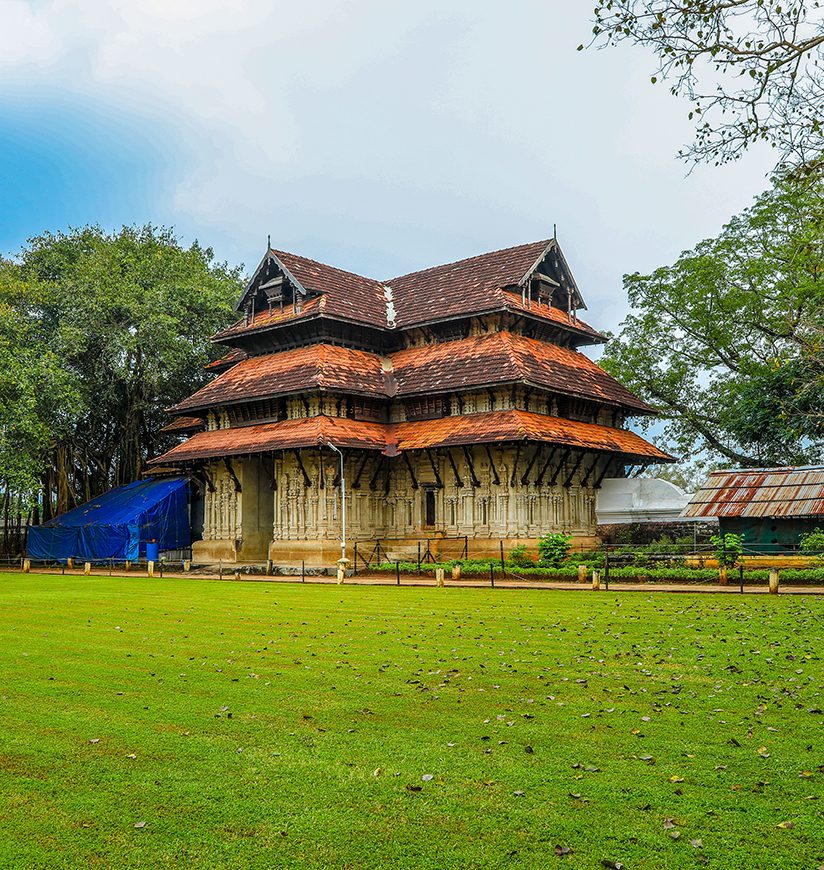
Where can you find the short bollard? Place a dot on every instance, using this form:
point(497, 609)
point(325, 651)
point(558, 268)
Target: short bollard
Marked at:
point(456, 572)
point(773, 581)
point(87, 568)
point(439, 576)
point(722, 575)
point(150, 569)
point(128, 566)
point(187, 566)
point(596, 581)
point(582, 573)
point(26, 566)
point(270, 565)
point(70, 563)
point(342, 563)
point(237, 573)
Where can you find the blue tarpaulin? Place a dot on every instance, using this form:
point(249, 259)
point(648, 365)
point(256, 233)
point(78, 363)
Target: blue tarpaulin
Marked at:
point(118, 524)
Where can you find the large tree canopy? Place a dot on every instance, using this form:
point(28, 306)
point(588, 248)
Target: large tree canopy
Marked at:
point(99, 333)
point(753, 70)
point(729, 341)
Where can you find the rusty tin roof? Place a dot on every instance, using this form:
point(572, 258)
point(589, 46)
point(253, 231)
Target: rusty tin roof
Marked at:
point(761, 492)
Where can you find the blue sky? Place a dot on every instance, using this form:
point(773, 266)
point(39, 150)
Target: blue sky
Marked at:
point(379, 136)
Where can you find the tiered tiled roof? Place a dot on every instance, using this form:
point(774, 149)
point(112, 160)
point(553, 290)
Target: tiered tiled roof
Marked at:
point(480, 361)
point(391, 439)
point(315, 367)
point(503, 358)
point(305, 432)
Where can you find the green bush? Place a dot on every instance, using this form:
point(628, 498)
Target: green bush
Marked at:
point(519, 557)
point(553, 549)
point(728, 549)
point(812, 543)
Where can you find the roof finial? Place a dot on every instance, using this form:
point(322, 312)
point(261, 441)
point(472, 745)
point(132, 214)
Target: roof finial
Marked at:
point(555, 233)
point(269, 242)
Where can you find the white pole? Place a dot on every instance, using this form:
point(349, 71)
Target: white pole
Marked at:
point(342, 504)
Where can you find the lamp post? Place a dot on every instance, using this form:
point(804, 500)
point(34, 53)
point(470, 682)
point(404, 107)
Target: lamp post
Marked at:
point(342, 503)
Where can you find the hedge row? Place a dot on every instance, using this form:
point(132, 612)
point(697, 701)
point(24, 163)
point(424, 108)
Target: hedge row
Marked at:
point(475, 568)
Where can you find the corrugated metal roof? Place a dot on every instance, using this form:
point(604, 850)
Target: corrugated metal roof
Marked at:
point(761, 492)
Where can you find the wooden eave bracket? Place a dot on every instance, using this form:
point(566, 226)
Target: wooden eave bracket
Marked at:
point(235, 481)
point(307, 481)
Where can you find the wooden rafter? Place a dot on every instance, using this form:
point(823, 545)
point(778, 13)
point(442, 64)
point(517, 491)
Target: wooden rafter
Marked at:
point(373, 483)
point(411, 471)
point(307, 481)
point(210, 484)
point(564, 456)
point(235, 481)
point(495, 479)
point(458, 481)
point(356, 483)
point(603, 474)
point(585, 478)
point(528, 471)
point(438, 481)
point(578, 461)
point(514, 476)
point(545, 467)
point(473, 478)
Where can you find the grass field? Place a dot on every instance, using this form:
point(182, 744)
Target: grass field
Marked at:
point(158, 723)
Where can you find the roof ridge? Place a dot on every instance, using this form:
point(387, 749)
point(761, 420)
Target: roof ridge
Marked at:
point(467, 259)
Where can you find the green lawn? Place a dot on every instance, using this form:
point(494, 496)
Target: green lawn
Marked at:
point(158, 723)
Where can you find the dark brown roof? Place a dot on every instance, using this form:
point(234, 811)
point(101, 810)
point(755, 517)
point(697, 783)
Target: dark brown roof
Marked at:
point(232, 356)
point(475, 285)
point(314, 367)
point(469, 285)
point(345, 294)
point(489, 428)
point(761, 492)
point(288, 434)
point(502, 358)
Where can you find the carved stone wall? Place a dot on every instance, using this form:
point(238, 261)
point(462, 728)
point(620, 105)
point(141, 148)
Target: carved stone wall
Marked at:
point(386, 498)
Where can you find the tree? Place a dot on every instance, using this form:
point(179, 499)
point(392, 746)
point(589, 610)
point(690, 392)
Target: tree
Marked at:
point(753, 70)
point(729, 341)
point(106, 330)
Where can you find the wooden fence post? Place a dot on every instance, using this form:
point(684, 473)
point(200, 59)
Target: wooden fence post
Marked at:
point(582, 573)
point(596, 581)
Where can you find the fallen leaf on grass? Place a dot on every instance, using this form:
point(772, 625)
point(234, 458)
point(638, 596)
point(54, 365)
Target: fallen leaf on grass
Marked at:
point(94, 740)
point(413, 788)
point(612, 865)
point(762, 751)
point(696, 844)
point(140, 824)
point(427, 777)
point(518, 793)
point(675, 835)
point(785, 825)
point(675, 778)
point(376, 772)
point(560, 851)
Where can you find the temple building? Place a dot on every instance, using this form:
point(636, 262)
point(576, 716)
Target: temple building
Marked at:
point(457, 395)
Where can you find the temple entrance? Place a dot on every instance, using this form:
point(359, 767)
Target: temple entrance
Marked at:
point(429, 514)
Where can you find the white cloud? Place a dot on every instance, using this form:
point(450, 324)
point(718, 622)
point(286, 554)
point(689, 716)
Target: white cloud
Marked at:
point(387, 135)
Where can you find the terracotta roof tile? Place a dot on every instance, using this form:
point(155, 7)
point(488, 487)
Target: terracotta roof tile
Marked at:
point(494, 427)
point(497, 426)
point(502, 358)
point(547, 312)
point(306, 432)
point(466, 286)
point(182, 425)
point(233, 356)
point(264, 319)
point(315, 367)
point(345, 294)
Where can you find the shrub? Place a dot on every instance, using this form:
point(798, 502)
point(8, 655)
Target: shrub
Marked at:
point(728, 549)
point(520, 558)
point(812, 543)
point(554, 549)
